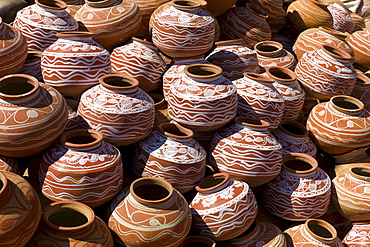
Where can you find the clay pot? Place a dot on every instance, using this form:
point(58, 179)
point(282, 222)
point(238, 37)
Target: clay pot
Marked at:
point(247, 23)
point(152, 214)
point(363, 9)
point(74, 63)
point(223, 208)
point(119, 109)
point(32, 65)
point(339, 125)
point(9, 164)
point(294, 138)
point(287, 85)
point(278, 22)
point(20, 210)
point(203, 99)
point(172, 154)
point(304, 14)
point(40, 22)
point(92, 166)
point(301, 190)
point(183, 29)
point(358, 21)
point(312, 233)
point(140, 59)
point(247, 151)
point(360, 43)
point(73, 6)
point(271, 7)
point(161, 110)
point(258, 98)
point(362, 89)
point(272, 53)
point(342, 19)
point(112, 22)
point(349, 194)
point(259, 234)
point(358, 235)
point(234, 59)
point(326, 72)
point(13, 49)
point(198, 241)
point(312, 39)
point(37, 115)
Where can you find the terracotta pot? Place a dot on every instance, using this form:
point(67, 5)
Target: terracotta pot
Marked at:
point(349, 194)
point(74, 63)
point(312, 39)
point(172, 154)
point(294, 138)
point(191, 33)
point(342, 19)
point(247, 23)
point(119, 109)
point(92, 166)
point(339, 125)
point(20, 210)
point(278, 22)
point(112, 22)
point(40, 22)
point(13, 49)
point(32, 65)
point(141, 60)
point(223, 208)
point(73, 6)
point(258, 98)
point(312, 233)
point(247, 151)
point(9, 164)
point(259, 234)
point(234, 59)
point(362, 89)
point(360, 43)
point(152, 214)
point(198, 241)
point(363, 9)
point(301, 190)
point(287, 85)
point(70, 223)
point(203, 99)
point(326, 72)
point(37, 116)
point(358, 22)
point(358, 235)
point(304, 14)
point(161, 110)
point(271, 7)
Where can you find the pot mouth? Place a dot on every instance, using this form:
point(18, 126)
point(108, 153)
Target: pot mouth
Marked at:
point(52, 4)
point(362, 79)
point(151, 190)
point(189, 4)
point(3, 183)
point(293, 128)
point(335, 52)
point(81, 138)
point(157, 98)
point(175, 131)
point(212, 182)
point(321, 229)
point(299, 163)
point(202, 71)
point(15, 86)
point(360, 172)
point(252, 122)
point(280, 73)
point(268, 47)
point(346, 104)
point(74, 34)
point(258, 77)
point(118, 81)
point(334, 32)
point(98, 3)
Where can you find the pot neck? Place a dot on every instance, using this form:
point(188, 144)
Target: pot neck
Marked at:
point(5, 189)
point(320, 230)
point(269, 48)
point(82, 139)
point(214, 183)
point(52, 5)
point(346, 104)
point(101, 3)
point(299, 164)
point(175, 131)
point(360, 172)
point(338, 34)
point(18, 88)
point(252, 123)
point(159, 102)
point(119, 82)
point(203, 72)
point(281, 75)
point(186, 5)
point(259, 78)
point(335, 53)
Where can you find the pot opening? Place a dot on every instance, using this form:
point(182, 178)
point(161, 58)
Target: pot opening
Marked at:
point(346, 103)
point(118, 81)
point(279, 73)
point(360, 81)
point(151, 192)
point(52, 4)
point(293, 129)
point(319, 230)
point(298, 165)
point(212, 181)
point(173, 130)
point(16, 88)
point(157, 98)
point(185, 3)
point(68, 217)
point(200, 70)
point(335, 52)
point(83, 138)
point(1, 185)
point(361, 171)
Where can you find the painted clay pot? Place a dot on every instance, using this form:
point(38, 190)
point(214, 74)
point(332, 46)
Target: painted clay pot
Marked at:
point(176, 71)
point(234, 59)
point(183, 29)
point(36, 115)
point(152, 214)
point(223, 208)
point(172, 154)
point(203, 99)
point(198, 241)
point(259, 234)
point(358, 22)
point(13, 49)
point(363, 9)
point(304, 14)
point(9, 164)
point(358, 235)
point(312, 39)
point(293, 137)
point(339, 125)
point(258, 98)
point(326, 72)
point(73, 6)
point(70, 223)
point(40, 22)
point(74, 63)
point(32, 65)
point(247, 151)
point(20, 210)
point(119, 109)
point(342, 19)
point(141, 60)
point(349, 194)
point(301, 190)
point(360, 43)
point(271, 7)
point(161, 110)
point(272, 53)
point(92, 166)
point(247, 23)
point(362, 89)
point(287, 85)
point(112, 22)
point(312, 233)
